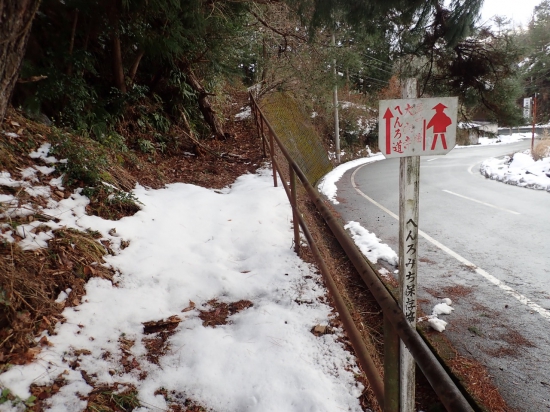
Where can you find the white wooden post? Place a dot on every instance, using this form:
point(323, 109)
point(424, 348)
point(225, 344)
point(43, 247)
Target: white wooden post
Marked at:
point(408, 252)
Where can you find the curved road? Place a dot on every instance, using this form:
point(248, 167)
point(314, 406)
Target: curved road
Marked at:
point(486, 246)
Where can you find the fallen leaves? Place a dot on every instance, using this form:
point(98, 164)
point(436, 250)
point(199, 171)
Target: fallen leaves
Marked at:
point(221, 311)
point(161, 325)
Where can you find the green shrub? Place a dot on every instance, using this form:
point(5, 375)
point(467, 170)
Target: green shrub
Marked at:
point(86, 161)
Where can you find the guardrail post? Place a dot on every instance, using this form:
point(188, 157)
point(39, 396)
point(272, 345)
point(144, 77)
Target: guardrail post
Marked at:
point(391, 367)
point(262, 133)
point(272, 153)
point(259, 121)
point(294, 204)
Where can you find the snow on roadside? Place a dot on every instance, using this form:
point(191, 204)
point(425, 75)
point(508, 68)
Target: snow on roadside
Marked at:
point(519, 170)
point(500, 139)
point(191, 244)
point(370, 245)
point(442, 308)
point(327, 185)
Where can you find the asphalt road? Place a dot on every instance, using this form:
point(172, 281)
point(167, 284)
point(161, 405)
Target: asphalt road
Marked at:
point(486, 245)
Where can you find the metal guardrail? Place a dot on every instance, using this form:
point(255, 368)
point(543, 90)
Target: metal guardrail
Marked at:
point(395, 323)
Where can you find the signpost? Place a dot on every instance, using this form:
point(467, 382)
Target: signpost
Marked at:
point(417, 127)
point(527, 107)
point(410, 128)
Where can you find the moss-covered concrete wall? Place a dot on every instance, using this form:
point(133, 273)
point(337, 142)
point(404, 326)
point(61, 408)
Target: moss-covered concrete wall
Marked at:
point(293, 127)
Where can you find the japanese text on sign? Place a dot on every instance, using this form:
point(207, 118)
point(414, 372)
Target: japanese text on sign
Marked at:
point(416, 127)
point(410, 270)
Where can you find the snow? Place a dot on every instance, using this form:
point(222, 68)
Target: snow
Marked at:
point(437, 324)
point(245, 113)
point(191, 244)
point(520, 169)
point(500, 139)
point(42, 154)
point(442, 309)
point(370, 245)
point(327, 185)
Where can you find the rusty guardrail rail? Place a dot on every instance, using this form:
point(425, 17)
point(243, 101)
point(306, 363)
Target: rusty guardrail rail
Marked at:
point(395, 322)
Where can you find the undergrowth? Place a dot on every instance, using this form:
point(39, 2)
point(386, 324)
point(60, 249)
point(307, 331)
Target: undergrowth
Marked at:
point(542, 149)
point(32, 280)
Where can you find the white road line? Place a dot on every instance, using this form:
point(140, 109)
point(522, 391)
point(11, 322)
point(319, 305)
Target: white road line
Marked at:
point(483, 203)
point(470, 169)
point(431, 160)
point(501, 285)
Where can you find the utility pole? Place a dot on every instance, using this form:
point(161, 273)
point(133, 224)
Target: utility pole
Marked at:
point(335, 103)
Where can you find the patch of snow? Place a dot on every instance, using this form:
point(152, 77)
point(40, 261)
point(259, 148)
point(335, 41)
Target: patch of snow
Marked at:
point(437, 324)
point(57, 182)
point(6, 198)
point(347, 105)
point(370, 245)
point(442, 309)
point(35, 191)
point(500, 139)
point(29, 173)
point(63, 295)
point(246, 113)
point(42, 153)
point(45, 170)
point(327, 185)
point(6, 180)
point(519, 170)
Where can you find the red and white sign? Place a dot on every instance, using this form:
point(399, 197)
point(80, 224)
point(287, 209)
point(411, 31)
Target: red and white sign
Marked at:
point(417, 127)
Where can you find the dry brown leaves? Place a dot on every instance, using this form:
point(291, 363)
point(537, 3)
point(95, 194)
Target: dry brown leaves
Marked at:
point(478, 383)
point(219, 313)
point(45, 392)
point(32, 280)
point(178, 402)
point(453, 292)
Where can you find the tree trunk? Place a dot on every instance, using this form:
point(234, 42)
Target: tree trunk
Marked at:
point(264, 61)
point(117, 64)
point(204, 105)
point(15, 27)
point(71, 45)
point(134, 68)
point(118, 68)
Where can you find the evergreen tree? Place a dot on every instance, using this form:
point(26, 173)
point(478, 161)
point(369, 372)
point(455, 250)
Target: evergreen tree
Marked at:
point(536, 66)
point(95, 56)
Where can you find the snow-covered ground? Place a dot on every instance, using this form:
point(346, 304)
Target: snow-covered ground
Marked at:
point(520, 169)
point(499, 140)
point(187, 247)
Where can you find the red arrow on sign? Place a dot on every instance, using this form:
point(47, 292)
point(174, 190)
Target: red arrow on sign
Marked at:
point(388, 116)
